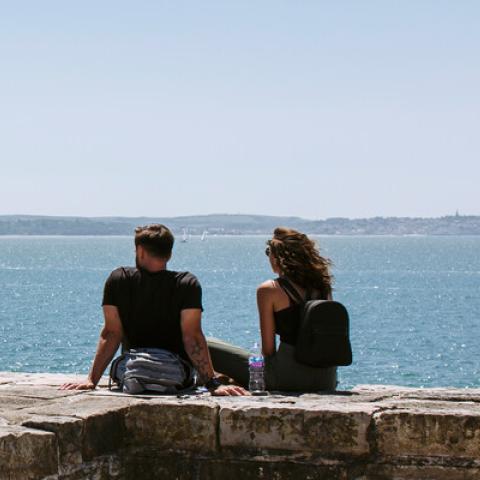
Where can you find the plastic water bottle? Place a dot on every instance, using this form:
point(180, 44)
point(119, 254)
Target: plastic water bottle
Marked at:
point(256, 367)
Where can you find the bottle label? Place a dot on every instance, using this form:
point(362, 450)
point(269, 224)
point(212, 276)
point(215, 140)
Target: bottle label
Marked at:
point(257, 363)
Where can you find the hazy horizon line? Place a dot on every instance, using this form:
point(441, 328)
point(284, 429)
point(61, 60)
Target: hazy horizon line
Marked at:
point(456, 214)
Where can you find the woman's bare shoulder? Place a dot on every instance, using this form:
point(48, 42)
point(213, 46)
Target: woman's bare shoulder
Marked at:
point(268, 286)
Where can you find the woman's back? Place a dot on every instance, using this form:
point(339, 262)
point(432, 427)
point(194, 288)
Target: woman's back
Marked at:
point(288, 308)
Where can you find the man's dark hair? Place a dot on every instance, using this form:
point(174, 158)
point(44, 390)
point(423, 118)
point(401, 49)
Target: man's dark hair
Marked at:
point(156, 239)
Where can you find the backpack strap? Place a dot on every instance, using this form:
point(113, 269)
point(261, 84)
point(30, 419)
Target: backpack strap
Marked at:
point(290, 290)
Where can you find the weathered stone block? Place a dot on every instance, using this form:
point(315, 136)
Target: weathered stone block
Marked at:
point(103, 433)
point(26, 454)
point(173, 425)
point(429, 430)
point(328, 429)
point(101, 468)
point(10, 403)
point(43, 379)
point(434, 394)
point(420, 472)
point(69, 434)
point(264, 470)
point(190, 466)
point(86, 426)
point(149, 463)
point(35, 392)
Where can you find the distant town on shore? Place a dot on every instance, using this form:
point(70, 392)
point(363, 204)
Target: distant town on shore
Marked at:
point(230, 224)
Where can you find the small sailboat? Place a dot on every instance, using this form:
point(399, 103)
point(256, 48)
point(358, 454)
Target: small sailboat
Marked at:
point(184, 236)
point(204, 235)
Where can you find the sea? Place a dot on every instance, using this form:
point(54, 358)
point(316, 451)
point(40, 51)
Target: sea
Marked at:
point(414, 301)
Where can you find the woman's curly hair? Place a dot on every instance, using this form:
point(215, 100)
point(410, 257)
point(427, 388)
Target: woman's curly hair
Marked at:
point(300, 261)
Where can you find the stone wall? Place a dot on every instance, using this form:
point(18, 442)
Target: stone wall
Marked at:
point(369, 433)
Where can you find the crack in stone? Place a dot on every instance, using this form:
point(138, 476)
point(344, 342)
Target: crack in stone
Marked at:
point(53, 415)
point(440, 399)
point(35, 397)
point(41, 404)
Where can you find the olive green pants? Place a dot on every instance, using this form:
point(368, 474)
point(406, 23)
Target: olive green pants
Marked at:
point(282, 371)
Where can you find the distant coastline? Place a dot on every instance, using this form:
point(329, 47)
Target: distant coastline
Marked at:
point(226, 224)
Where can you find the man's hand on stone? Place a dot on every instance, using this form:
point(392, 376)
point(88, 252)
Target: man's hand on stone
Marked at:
point(230, 391)
point(87, 385)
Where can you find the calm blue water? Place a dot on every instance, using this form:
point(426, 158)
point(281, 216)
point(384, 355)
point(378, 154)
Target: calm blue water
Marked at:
point(414, 301)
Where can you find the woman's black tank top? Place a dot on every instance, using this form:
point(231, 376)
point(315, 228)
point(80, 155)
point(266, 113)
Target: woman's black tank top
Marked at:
point(287, 320)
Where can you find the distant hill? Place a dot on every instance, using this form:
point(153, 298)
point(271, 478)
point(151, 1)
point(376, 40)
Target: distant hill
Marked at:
point(223, 224)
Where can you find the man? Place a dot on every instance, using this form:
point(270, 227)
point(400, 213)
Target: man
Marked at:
point(150, 306)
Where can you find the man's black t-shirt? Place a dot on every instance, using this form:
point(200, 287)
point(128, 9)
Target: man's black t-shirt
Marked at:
point(150, 304)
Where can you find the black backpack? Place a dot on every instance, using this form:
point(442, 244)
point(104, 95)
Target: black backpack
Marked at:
point(323, 335)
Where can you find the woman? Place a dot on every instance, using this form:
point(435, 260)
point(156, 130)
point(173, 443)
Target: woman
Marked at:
point(299, 266)
point(304, 273)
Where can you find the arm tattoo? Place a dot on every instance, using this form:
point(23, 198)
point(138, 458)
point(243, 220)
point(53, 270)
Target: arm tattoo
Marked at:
point(199, 357)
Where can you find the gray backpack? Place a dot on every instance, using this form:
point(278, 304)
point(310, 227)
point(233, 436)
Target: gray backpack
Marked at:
point(150, 369)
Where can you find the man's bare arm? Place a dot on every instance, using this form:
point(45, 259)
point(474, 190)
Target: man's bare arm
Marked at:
point(197, 349)
point(110, 338)
point(195, 343)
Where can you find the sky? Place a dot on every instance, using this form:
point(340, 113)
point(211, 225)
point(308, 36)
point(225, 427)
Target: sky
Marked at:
point(315, 109)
